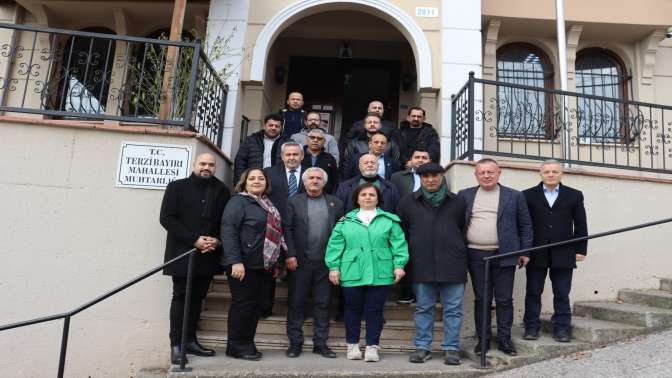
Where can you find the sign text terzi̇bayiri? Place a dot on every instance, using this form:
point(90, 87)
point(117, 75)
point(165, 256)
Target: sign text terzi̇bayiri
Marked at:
point(152, 166)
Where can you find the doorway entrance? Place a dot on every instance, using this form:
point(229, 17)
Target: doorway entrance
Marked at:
point(341, 89)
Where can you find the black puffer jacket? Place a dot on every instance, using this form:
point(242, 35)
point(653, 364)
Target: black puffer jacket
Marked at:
point(243, 232)
point(251, 153)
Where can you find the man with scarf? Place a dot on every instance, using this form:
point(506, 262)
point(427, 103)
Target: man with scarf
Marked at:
point(433, 220)
point(191, 212)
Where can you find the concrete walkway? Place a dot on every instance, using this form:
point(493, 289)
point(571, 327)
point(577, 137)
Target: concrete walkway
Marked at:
point(644, 357)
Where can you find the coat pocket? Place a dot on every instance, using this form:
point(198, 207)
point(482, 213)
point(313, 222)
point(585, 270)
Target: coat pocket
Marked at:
point(350, 269)
point(384, 262)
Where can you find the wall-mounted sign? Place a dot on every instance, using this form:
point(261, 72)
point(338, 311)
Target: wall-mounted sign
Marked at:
point(151, 166)
point(426, 12)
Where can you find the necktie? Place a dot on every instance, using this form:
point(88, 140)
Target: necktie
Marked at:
point(293, 188)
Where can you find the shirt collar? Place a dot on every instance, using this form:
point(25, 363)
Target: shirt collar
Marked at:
point(556, 190)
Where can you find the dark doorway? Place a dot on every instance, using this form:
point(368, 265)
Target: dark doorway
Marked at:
point(345, 87)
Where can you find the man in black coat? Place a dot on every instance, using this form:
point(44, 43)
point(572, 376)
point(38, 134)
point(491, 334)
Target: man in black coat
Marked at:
point(415, 133)
point(557, 214)
point(316, 156)
point(357, 129)
point(261, 149)
point(310, 218)
point(433, 220)
point(368, 166)
point(360, 145)
point(191, 212)
point(293, 114)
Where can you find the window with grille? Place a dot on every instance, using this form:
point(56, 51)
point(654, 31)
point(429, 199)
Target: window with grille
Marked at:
point(523, 112)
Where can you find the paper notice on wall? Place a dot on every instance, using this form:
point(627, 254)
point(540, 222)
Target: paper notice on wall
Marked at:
point(152, 166)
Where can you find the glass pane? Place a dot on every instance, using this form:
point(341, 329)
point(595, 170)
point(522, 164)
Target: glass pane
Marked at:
point(597, 74)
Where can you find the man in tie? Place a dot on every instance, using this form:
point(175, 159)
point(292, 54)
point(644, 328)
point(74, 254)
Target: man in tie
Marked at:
point(557, 214)
point(286, 182)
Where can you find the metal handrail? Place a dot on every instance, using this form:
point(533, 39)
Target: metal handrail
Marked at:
point(488, 259)
point(67, 315)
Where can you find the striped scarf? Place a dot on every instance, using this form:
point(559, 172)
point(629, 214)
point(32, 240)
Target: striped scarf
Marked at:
point(274, 240)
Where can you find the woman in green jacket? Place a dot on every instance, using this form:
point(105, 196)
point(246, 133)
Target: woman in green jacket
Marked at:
point(366, 255)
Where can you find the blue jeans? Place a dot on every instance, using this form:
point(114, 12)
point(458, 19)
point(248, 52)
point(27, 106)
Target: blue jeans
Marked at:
point(367, 300)
point(452, 296)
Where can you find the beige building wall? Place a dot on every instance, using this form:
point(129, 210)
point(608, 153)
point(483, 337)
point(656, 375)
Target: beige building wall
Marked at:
point(631, 260)
point(70, 235)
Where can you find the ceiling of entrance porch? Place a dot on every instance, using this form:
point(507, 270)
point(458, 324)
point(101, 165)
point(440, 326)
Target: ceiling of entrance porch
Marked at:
point(347, 25)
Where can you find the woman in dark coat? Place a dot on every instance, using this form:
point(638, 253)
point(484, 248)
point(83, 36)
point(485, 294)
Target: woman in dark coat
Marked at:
point(252, 241)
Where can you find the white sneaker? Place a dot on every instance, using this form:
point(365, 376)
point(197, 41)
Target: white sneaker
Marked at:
point(371, 353)
point(353, 352)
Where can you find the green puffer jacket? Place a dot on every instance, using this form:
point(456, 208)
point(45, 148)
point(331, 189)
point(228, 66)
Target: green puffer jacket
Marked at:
point(367, 255)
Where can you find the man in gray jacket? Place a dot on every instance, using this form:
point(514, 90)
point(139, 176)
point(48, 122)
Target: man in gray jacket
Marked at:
point(497, 222)
point(312, 121)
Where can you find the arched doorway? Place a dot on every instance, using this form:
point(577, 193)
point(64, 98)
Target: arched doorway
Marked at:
point(342, 55)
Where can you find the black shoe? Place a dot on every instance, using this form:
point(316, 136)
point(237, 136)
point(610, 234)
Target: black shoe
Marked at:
point(244, 356)
point(561, 336)
point(266, 314)
point(531, 334)
point(258, 352)
point(293, 351)
point(420, 356)
point(193, 347)
point(477, 348)
point(324, 351)
point(175, 355)
point(451, 357)
point(506, 347)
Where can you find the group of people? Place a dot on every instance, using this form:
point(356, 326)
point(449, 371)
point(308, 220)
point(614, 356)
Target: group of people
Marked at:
point(363, 234)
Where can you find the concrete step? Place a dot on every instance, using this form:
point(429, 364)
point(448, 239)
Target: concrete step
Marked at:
point(666, 284)
point(595, 331)
point(400, 330)
point(279, 342)
point(274, 364)
point(643, 316)
point(651, 298)
point(220, 301)
point(221, 285)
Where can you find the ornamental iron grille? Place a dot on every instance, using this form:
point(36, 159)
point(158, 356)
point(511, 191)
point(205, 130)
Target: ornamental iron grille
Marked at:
point(91, 75)
point(477, 129)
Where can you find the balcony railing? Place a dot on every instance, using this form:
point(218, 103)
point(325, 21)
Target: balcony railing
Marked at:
point(535, 123)
point(82, 75)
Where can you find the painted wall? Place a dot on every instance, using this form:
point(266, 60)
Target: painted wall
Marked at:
point(68, 236)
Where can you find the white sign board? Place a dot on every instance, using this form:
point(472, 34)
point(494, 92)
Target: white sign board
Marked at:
point(426, 12)
point(151, 166)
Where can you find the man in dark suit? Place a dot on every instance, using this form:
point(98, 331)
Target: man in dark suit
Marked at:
point(316, 156)
point(497, 222)
point(286, 182)
point(377, 146)
point(191, 212)
point(408, 181)
point(310, 218)
point(368, 168)
point(557, 214)
point(285, 178)
point(416, 133)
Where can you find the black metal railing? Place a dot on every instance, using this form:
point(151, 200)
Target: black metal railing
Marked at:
point(84, 75)
point(488, 260)
point(536, 123)
point(66, 316)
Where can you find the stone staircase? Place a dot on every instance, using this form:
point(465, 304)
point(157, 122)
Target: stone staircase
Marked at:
point(634, 312)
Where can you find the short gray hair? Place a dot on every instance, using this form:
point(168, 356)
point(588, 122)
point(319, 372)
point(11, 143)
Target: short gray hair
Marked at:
point(316, 131)
point(549, 162)
point(290, 144)
point(305, 174)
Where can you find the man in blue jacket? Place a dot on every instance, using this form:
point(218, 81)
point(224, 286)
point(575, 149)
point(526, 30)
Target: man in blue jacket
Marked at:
point(497, 222)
